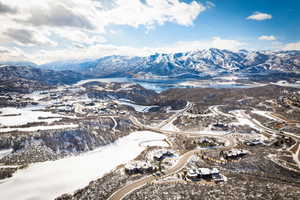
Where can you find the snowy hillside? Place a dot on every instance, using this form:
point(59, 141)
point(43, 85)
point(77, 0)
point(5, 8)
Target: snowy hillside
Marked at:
point(209, 62)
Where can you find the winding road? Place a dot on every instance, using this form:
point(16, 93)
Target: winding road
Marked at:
point(182, 161)
point(124, 191)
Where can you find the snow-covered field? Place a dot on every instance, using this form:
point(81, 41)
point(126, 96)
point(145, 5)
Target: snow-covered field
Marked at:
point(138, 108)
point(169, 127)
point(242, 120)
point(37, 128)
point(5, 152)
point(50, 179)
point(152, 143)
point(24, 116)
point(211, 132)
point(266, 114)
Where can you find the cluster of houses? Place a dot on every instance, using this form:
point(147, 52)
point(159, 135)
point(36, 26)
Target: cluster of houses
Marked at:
point(67, 105)
point(142, 167)
point(233, 154)
point(209, 174)
point(139, 167)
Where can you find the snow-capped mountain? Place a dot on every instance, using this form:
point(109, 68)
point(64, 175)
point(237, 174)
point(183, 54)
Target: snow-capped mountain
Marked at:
point(209, 62)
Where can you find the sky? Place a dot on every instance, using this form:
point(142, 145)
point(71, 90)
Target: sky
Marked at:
point(44, 31)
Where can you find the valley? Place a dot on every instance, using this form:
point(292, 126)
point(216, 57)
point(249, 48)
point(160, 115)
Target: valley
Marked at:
point(149, 100)
point(115, 139)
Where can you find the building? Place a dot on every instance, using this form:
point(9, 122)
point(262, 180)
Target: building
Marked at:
point(254, 142)
point(139, 167)
point(162, 154)
point(233, 154)
point(196, 174)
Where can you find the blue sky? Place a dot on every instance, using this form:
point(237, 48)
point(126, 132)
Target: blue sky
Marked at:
point(50, 30)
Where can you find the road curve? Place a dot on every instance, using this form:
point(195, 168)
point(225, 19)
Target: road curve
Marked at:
point(124, 191)
point(182, 161)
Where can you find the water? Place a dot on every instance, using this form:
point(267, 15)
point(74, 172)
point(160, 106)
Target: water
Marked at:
point(160, 85)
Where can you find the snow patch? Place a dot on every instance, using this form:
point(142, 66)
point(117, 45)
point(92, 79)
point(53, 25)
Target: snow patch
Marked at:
point(50, 179)
point(25, 115)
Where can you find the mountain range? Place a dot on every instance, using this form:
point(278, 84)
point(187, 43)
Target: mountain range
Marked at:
point(266, 66)
point(211, 62)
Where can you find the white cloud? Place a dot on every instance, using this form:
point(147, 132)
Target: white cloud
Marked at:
point(267, 37)
point(292, 46)
point(100, 50)
point(26, 37)
point(96, 15)
point(83, 23)
point(153, 12)
point(11, 54)
point(82, 37)
point(259, 16)
point(215, 42)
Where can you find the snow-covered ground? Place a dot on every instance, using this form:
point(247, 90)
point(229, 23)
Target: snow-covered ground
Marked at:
point(287, 84)
point(5, 152)
point(152, 143)
point(48, 180)
point(169, 127)
point(104, 80)
point(266, 114)
point(242, 120)
point(36, 128)
point(138, 108)
point(24, 116)
point(211, 132)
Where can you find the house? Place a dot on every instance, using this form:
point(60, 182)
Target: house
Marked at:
point(233, 154)
point(139, 167)
point(162, 154)
point(254, 142)
point(196, 174)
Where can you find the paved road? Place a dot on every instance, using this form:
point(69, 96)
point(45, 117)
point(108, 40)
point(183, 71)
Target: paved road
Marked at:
point(124, 191)
point(269, 130)
point(215, 110)
point(177, 114)
point(231, 141)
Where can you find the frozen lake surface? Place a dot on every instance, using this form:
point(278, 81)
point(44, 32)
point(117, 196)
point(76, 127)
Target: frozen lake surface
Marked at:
point(51, 179)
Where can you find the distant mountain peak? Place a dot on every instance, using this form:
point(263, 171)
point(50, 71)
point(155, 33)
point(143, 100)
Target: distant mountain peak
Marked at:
point(211, 61)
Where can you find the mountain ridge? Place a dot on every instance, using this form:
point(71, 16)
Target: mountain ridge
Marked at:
point(211, 62)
